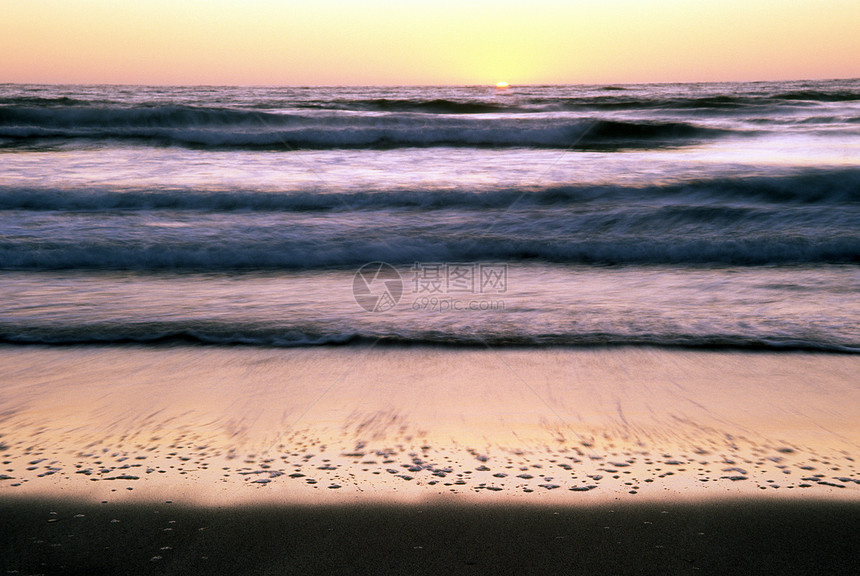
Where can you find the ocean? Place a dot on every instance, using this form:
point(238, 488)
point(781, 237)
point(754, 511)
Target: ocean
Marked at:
point(667, 215)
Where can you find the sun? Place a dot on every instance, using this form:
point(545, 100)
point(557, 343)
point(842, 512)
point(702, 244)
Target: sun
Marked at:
point(502, 85)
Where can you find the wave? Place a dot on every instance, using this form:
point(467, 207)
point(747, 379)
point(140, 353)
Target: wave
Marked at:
point(434, 105)
point(810, 95)
point(46, 101)
point(707, 102)
point(809, 217)
point(805, 187)
point(405, 248)
point(445, 101)
point(611, 100)
point(169, 333)
point(106, 117)
point(616, 98)
point(240, 129)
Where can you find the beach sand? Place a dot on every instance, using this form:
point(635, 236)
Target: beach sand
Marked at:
point(726, 537)
point(427, 460)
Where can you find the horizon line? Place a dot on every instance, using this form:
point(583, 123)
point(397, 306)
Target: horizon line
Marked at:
point(488, 85)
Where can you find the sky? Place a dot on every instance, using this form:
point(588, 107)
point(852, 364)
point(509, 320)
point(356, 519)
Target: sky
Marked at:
point(425, 42)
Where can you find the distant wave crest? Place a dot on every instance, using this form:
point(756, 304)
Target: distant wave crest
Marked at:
point(239, 129)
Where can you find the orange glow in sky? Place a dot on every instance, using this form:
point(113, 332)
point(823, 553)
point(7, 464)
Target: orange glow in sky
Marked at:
point(426, 42)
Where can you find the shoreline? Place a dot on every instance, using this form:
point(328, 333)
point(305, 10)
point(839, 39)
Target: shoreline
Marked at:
point(363, 343)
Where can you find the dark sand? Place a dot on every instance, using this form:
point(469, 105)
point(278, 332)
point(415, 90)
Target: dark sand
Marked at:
point(728, 537)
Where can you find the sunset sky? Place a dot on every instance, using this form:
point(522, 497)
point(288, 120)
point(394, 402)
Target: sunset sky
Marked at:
point(425, 42)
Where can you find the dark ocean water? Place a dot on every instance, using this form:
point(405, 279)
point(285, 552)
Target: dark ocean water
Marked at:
point(692, 215)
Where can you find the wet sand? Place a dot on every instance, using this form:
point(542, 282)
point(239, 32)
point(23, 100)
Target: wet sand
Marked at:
point(237, 425)
point(369, 459)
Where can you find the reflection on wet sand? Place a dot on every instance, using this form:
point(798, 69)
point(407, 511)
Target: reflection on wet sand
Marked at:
point(223, 425)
